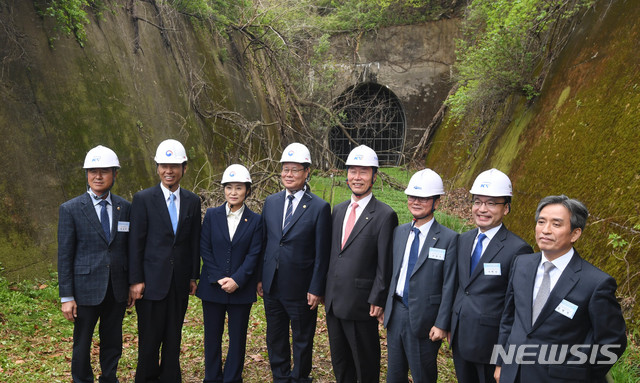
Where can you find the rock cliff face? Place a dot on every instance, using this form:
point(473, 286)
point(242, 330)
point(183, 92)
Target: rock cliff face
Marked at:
point(132, 85)
point(579, 138)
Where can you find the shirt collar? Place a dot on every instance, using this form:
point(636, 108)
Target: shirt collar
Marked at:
point(561, 262)
point(491, 232)
point(168, 192)
point(362, 203)
point(97, 201)
point(296, 195)
point(237, 213)
point(424, 228)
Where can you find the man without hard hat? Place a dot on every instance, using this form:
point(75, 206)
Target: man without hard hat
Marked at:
point(418, 309)
point(164, 264)
point(297, 226)
point(92, 262)
point(557, 299)
point(359, 272)
point(485, 255)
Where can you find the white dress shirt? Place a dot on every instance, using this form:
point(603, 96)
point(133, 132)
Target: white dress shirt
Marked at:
point(233, 219)
point(489, 236)
point(297, 197)
point(361, 205)
point(167, 200)
point(560, 264)
point(424, 230)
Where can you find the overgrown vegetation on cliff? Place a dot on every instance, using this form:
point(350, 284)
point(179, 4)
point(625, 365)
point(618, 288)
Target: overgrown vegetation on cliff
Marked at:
point(508, 47)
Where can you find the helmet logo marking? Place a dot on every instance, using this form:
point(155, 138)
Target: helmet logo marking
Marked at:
point(168, 153)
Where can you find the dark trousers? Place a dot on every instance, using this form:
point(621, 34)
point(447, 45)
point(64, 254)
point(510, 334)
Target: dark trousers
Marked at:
point(471, 372)
point(160, 327)
point(110, 314)
point(355, 349)
point(214, 318)
point(281, 313)
point(408, 352)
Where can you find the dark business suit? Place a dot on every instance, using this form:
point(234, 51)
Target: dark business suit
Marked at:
point(166, 263)
point(479, 302)
point(94, 272)
point(596, 321)
point(237, 259)
point(295, 263)
point(358, 277)
point(431, 291)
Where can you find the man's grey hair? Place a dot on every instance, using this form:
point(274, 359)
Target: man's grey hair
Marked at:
point(577, 209)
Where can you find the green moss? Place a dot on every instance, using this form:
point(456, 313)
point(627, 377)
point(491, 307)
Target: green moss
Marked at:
point(580, 138)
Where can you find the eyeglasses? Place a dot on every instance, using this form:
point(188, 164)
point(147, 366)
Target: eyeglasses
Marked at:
point(293, 171)
point(419, 199)
point(488, 204)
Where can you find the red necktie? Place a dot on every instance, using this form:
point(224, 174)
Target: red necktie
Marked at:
point(351, 221)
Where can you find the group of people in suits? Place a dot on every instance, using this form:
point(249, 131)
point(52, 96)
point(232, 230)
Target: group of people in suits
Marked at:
point(113, 254)
point(483, 290)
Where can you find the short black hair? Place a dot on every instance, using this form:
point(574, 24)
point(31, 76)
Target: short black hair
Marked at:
point(577, 209)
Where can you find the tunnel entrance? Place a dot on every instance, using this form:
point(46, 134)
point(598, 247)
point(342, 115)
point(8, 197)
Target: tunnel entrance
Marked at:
point(372, 115)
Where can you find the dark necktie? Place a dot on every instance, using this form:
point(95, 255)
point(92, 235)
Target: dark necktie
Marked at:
point(104, 220)
point(477, 253)
point(289, 214)
point(543, 292)
point(173, 212)
point(413, 258)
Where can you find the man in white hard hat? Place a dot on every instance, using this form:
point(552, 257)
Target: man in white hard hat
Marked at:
point(164, 264)
point(359, 272)
point(558, 301)
point(92, 262)
point(418, 309)
point(297, 226)
point(485, 255)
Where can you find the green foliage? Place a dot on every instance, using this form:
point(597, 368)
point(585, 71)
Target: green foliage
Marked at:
point(616, 241)
point(504, 44)
point(356, 15)
point(71, 17)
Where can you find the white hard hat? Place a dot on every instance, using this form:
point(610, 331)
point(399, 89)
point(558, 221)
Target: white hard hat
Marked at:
point(236, 173)
point(296, 152)
point(492, 183)
point(101, 157)
point(362, 156)
point(170, 152)
point(425, 183)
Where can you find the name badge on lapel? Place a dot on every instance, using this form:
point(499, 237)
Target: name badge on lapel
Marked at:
point(567, 309)
point(492, 269)
point(435, 253)
point(123, 227)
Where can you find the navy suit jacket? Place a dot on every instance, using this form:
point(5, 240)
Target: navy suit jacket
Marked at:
point(359, 273)
point(300, 254)
point(598, 320)
point(479, 302)
point(223, 257)
point(432, 284)
point(156, 255)
point(85, 259)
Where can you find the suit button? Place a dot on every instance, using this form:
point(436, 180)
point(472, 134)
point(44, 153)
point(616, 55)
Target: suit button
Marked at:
point(466, 292)
point(171, 261)
point(281, 244)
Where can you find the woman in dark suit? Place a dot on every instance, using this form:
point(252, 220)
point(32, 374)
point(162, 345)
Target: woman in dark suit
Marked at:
point(230, 245)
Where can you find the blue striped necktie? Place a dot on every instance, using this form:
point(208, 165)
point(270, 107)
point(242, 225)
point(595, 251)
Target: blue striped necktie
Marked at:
point(289, 214)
